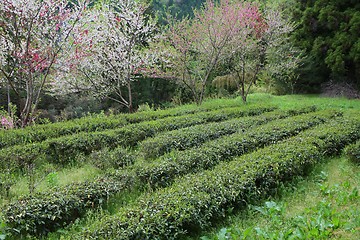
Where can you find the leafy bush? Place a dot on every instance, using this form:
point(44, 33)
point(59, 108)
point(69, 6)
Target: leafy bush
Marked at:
point(20, 156)
point(44, 212)
point(64, 148)
point(194, 200)
point(163, 170)
point(353, 152)
point(327, 138)
point(185, 138)
point(92, 123)
point(163, 173)
point(115, 158)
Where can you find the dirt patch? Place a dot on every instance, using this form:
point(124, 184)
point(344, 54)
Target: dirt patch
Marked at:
point(340, 89)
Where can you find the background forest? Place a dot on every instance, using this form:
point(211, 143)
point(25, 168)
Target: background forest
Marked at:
point(319, 38)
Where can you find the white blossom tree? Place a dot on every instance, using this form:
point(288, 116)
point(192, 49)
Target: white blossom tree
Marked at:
point(282, 58)
point(112, 51)
point(32, 35)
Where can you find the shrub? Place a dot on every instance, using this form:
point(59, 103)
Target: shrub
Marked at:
point(44, 212)
point(163, 170)
point(99, 122)
point(196, 199)
point(65, 148)
point(115, 158)
point(353, 152)
point(185, 138)
point(128, 178)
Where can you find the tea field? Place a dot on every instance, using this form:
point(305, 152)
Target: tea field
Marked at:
point(187, 172)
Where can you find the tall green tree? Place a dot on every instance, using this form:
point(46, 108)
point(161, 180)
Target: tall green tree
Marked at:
point(329, 31)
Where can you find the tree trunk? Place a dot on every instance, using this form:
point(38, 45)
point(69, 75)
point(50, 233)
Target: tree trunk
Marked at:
point(130, 105)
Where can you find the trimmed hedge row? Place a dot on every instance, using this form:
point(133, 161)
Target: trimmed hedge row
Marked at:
point(63, 149)
point(185, 138)
point(353, 152)
point(162, 171)
point(99, 122)
point(196, 199)
point(138, 172)
point(40, 133)
point(68, 147)
point(45, 212)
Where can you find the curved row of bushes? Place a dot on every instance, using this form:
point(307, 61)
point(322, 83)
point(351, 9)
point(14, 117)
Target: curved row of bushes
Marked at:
point(163, 171)
point(185, 138)
point(63, 149)
point(196, 199)
point(42, 213)
point(99, 122)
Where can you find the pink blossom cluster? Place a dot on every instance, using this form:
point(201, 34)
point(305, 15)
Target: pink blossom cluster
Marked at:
point(7, 122)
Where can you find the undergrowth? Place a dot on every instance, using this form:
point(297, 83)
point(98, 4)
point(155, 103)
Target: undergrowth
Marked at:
point(324, 205)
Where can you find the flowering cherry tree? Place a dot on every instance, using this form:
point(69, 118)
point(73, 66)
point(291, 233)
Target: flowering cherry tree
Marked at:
point(236, 35)
point(262, 46)
point(282, 58)
point(200, 44)
point(112, 51)
point(246, 49)
point(32, 34)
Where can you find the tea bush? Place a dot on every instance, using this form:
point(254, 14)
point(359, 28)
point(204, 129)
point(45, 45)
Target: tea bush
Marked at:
point(165, 170)
point(195, 199)
point(44, 212)
point(64, 148)
point(353, 152)
point(92, 123)
point(194, 136)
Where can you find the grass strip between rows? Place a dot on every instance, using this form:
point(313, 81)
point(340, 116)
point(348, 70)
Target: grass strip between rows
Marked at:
point(195, 200)
point(34, 208)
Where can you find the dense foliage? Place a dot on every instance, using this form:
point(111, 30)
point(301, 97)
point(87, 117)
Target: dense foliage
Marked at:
point(329, 33)
point(163, 174)
point(193, 201)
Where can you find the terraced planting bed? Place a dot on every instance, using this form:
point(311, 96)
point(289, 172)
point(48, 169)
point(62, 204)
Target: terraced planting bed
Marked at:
point(164, 174)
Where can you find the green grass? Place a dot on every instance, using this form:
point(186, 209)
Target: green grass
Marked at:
point(291, 101)
point(324, 205)
point(328, 199)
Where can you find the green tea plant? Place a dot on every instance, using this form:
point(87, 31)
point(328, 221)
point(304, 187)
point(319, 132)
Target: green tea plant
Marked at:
point(192, 201)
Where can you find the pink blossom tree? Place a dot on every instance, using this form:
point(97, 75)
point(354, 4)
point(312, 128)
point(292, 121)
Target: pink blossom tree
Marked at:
point(245, 52)
point(112, 51)
point(201, 43)
point(238, 36)
point(32, 35)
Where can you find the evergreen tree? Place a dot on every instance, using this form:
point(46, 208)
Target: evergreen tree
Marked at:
point(329, 31)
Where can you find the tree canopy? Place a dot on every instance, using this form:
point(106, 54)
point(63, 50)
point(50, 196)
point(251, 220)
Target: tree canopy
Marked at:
point(329, 32)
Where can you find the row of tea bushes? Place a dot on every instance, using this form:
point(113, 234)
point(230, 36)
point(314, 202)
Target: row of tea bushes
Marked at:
point(353, 152)
point(45, 212)
point(93, 123)
point(195, 200)
point(163, 172)
point(40, 133)
point(66, 148)
point(185, 138)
